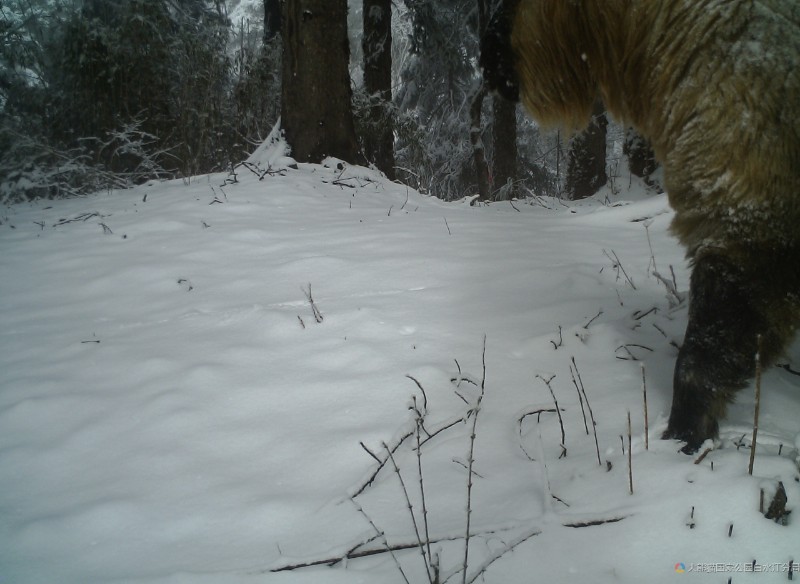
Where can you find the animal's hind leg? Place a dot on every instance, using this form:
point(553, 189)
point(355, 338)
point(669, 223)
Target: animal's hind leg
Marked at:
point(726, 315)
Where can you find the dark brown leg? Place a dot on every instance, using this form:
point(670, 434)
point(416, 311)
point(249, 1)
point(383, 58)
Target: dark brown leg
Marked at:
point(726, 315)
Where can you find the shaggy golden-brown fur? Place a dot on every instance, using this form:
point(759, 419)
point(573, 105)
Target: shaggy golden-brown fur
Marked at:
point(715, 86)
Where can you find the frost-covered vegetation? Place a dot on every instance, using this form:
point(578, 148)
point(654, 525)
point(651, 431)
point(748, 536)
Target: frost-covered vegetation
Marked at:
point(105, 94)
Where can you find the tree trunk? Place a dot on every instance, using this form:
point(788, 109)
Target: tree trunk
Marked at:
point(377, 45)
point(478, 150)
point(504, 148)
point(641, 159)
point(586, 165)
point(316, 100)
point(272, 19)
point(476, 126)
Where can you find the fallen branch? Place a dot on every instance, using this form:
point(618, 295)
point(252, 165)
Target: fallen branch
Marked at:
point(595, 522)
point(355, 553)
point(380, 534)
point(702, 457)
point(360, 551)
point(256, 170)
point(82, 217)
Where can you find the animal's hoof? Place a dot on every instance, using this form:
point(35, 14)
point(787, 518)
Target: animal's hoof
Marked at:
point(693, 442)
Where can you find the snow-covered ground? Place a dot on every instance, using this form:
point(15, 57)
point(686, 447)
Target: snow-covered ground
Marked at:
point(171, 411)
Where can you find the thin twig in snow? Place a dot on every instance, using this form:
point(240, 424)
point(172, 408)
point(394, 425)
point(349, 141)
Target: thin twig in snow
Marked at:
point(444, 427)
point(479, 571)
point(382, 535)
point(703, 456)
point(471, 461)
point(422, 390)
point(580, 399)
point(368, 451)
point(757, 405)
point(410, 507)
point(82, 217)
point(560, 339)
point(594, 318)
point(619, 267)
point(380, 466)
point(315, 310)
point(646, 421)
point(630, 455)
point(675, 297)
point(646, 224)
point(547, 382)
point(591, 414)
point(538, 413)
point(418, 418)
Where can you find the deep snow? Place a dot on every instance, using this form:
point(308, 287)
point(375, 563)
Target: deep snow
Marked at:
point(170, 410)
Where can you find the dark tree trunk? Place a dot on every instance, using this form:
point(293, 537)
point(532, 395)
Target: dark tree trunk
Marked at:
point(316, 100)
point(641, 159)
point(478, 149)
point(504, 145)
point(272, 19)
point(476, 125)
point(377, 45)
point(586, 165)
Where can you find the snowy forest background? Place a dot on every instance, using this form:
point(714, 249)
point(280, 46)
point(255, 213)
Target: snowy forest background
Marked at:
point(101, 94)
point(176, 406)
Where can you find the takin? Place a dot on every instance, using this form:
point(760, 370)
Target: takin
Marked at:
point(715, 86)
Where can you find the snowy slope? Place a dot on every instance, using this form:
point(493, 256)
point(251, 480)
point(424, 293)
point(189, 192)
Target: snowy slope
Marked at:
point(171, 411)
